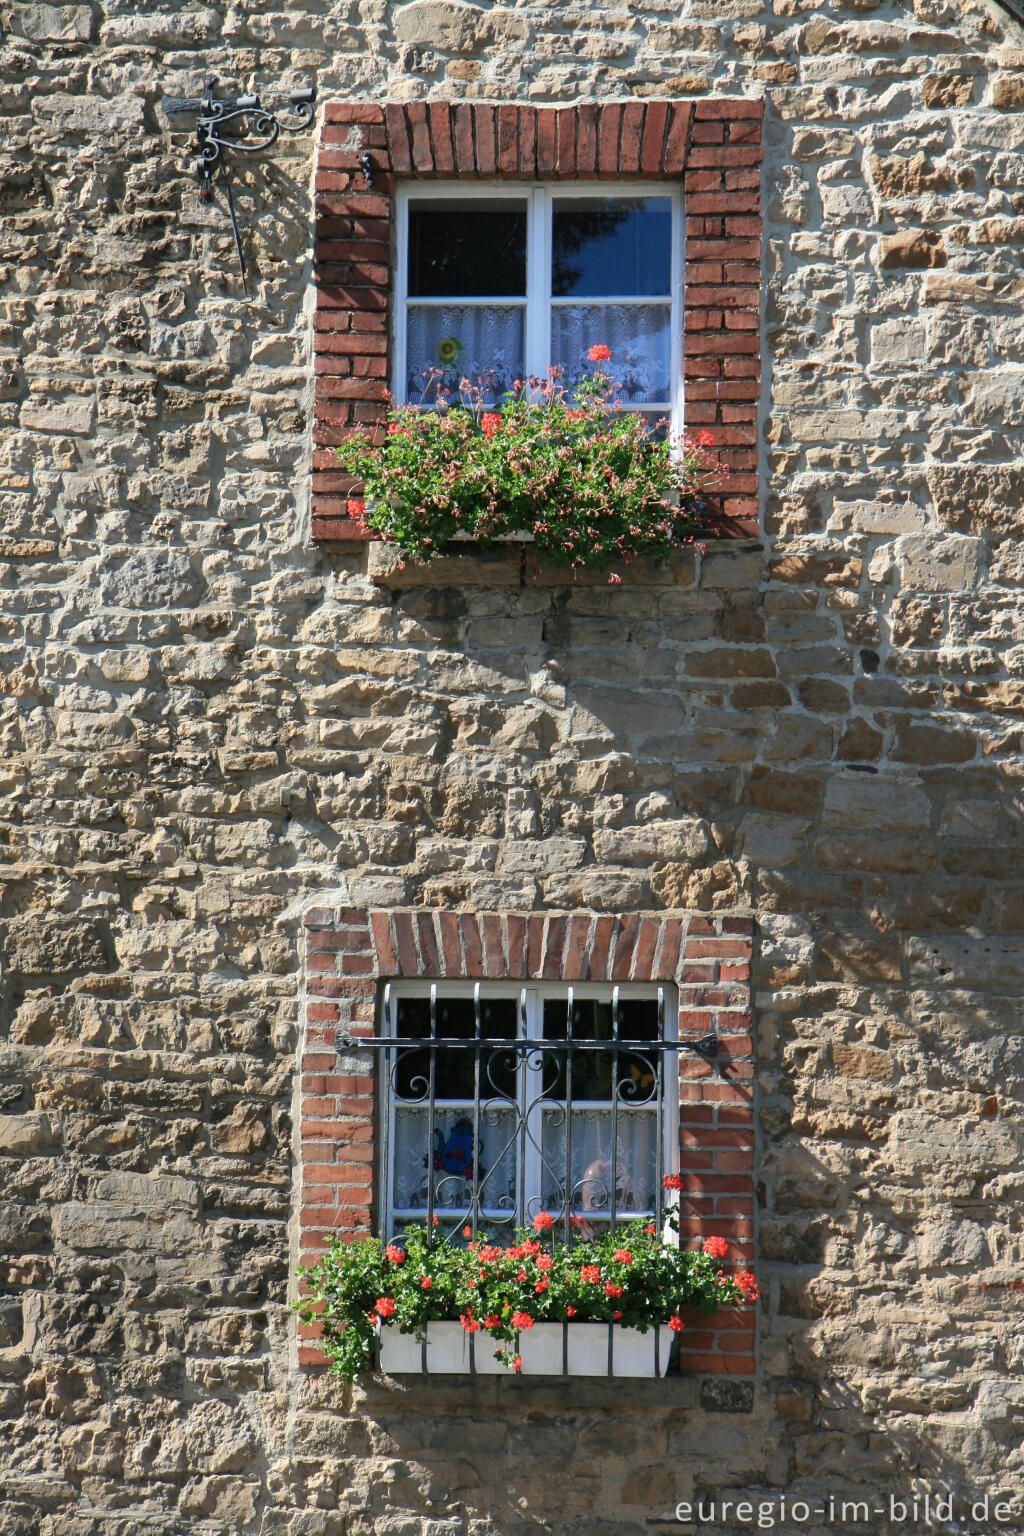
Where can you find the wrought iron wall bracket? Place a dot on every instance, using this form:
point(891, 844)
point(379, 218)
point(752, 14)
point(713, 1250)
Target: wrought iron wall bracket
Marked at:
point(242, 125)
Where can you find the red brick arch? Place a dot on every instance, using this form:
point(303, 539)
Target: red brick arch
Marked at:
point(713, 145)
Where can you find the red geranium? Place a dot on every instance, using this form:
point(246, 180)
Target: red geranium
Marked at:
point(590, 1274)
point(521, 1321)
point(542, 1221)
point(623, 1256)
point(676, 1323)
point(395, 1254)
point(426, 1283)
point(612, 1290)
point(598, 354)
point(384, 1306)
point(715, 1247)
point(748, 1285)
point(489, 423)
point(672, 1181)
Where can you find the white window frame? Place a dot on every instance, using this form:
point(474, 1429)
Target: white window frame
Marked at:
point(537, 300)
point(529, 998)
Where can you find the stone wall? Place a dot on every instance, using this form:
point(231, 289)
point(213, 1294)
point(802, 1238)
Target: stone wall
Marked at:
point(208, 726)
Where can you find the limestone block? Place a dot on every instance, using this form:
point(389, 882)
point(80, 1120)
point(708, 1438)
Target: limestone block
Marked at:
point(1008, 92)
point(27, 1134)
point(151, 579)
point(897, 342)
point(877, 804)
point(882, 517)
point(542, 856)
point(440, 24)
point(768, 838)
point(96, 115)
point(52, 23)
point(683, 839)
point(997, 397)
point(66, 416)
point(997, 961)
point(898, 176)
point(952, 1150)
point(939, 563)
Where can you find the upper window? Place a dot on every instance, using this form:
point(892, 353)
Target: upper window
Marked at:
point(502, 1101)
point(500, 283)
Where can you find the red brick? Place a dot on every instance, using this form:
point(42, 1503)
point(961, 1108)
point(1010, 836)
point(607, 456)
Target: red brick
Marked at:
point(451, 948)
point(586, 139)
point(352, 112)
point(554, 946)
point(528, 142)
point(486, 147)
point(604, 931)
point(516, 927)
point(405, 943)
point(655, 125)
point(567, 126)
point(427, 943)
point(708, 133)
point(380, 927)
point(625, 947)
point(609, 123)
point(465, 151)
point(535, 943)
point(399, 144)
point(494, 949)
point(419, 135)
point(441, 138)
point(676, 140)
point(631, 138)
point(508, 141)
point(469, 928)
point(730, 107)
point(547, 142)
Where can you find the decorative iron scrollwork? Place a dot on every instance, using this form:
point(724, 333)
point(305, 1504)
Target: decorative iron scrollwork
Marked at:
point(242, 125)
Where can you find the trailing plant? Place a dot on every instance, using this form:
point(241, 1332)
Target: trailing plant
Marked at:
point(631, 1277)
point(589, 481)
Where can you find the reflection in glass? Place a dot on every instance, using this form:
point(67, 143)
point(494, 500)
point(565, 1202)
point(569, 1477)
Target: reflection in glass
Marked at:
point(608, 246)
point(491, 341)
point(467, 248)
point(591, 1172)
point(637, 335)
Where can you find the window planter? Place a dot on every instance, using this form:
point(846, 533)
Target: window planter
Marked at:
point(547, 1349)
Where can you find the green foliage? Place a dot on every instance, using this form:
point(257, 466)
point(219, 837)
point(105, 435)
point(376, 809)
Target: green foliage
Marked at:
point(581, 475)
point(631, 1276)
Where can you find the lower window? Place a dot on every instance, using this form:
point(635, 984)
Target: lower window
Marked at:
point(502, 1101)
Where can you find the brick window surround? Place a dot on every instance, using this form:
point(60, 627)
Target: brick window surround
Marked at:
point(714, 145)
point(352, 952)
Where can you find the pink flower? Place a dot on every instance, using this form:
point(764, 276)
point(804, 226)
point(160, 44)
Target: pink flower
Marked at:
point(715, 1247)
point(384, 1306)
point(542, 1222)
point(598, 354)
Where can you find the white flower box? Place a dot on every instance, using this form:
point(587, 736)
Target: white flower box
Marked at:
point(580, 1349)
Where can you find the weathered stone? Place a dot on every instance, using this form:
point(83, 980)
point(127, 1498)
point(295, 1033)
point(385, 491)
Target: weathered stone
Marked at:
point(914, 248)
point(48, 946)
point(26, 1133)
point(899, 177)
point(947, 90)
point(154, 579)
point(52, 23)
point(933, 563)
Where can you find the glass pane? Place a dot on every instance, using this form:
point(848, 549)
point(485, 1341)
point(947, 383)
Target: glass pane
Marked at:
point(613, 246)
point(449, 1162)
point(454, 1074)
point(591, 1174)
point(592, 1069)
point(462, 248)
point(637, 335)
point(475, 342)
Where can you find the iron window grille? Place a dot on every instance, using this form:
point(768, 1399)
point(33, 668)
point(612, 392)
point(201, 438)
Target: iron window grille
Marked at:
point(498, 1102)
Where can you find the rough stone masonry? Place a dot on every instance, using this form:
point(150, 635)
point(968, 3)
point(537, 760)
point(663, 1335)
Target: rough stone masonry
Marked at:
point(209, 726)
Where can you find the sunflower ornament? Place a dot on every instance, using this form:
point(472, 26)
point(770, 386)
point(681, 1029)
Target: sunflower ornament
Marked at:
point(448, 350)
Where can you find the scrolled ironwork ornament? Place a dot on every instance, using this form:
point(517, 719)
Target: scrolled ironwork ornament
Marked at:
point(243, 125)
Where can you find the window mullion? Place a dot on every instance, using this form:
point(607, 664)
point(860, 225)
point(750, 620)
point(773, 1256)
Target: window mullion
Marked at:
point(399, 320)
point(538, 267)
